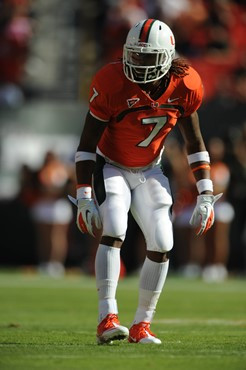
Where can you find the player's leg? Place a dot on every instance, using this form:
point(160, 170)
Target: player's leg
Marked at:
point(113, 197)
point(151, 204)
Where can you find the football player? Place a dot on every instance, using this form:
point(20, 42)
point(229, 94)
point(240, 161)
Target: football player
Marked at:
point(134, 103)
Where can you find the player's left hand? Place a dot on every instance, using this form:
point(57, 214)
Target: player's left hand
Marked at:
point(203, 214)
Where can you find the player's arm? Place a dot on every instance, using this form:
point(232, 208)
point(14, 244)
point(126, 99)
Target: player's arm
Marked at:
point(194, 143)
point(85, 157)
point(86, 153)
point(199, 161)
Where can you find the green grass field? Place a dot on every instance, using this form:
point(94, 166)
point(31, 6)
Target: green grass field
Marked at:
point(50, 324)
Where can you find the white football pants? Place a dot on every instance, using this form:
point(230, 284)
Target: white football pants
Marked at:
point(146, 193)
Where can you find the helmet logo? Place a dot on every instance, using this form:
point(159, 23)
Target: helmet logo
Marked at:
point(172, 40)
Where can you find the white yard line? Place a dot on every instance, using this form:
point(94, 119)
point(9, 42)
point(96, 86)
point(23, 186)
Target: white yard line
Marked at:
point(179, 321)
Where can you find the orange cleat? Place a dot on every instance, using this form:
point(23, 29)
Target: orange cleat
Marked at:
point(110, 329)
point(140, 333)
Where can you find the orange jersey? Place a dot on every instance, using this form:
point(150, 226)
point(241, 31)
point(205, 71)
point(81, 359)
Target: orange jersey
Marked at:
point(137, 124)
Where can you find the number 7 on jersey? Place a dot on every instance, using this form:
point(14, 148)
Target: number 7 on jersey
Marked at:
point(159, 122)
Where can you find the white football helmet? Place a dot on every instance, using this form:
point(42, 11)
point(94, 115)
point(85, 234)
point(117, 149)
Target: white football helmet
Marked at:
point(148, 51)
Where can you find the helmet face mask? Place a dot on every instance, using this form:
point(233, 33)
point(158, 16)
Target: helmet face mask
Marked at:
point(148, 61)
point(142, 67)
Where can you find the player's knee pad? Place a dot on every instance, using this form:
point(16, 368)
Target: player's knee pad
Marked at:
point(114, 231)
point(161, 237)
point(115, 224)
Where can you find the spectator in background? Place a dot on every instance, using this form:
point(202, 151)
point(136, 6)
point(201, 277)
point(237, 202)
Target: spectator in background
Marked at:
point(18, 248)
point(216, 244)
point(28, 192)
point(52, 214)
point(208, 255)
point(229, 105)
point(15, 35)
point(210, 34)
point(187, 252)
point(236, 160)
point(120, 18)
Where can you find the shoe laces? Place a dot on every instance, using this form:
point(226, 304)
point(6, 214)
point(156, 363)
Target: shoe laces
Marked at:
point(139, 330)
point(108, 322)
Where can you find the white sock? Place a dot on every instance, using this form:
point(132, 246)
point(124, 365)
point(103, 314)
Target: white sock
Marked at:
point(107, 267)
point(152, 279)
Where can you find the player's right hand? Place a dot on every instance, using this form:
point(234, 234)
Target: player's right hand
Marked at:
point(87, 216)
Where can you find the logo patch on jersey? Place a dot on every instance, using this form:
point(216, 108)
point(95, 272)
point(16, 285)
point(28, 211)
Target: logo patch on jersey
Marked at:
point(155, 104)
point(171, 100)
point(95, 94)
point(132, 102)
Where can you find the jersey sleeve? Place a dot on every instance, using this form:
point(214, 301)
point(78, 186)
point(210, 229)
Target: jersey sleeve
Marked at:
point(194, 92)
point(99, 98)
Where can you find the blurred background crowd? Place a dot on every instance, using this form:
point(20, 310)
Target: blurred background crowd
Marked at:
point(49, 51)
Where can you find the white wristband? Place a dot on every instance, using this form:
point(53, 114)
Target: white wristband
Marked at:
point(85, 156)
point(198, 157)
point(204, 185)
point(84, 192)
